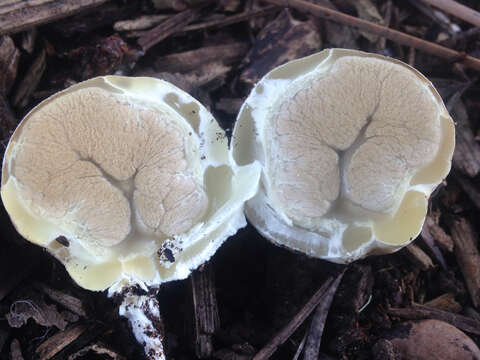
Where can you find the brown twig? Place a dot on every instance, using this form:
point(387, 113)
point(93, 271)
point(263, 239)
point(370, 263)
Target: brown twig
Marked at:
point(229, 20)
point(418, 312)
point(168, 27)
point(468, 257)
point(18, 15)
point(454, 8)
point(419, 257)
point(290, 328)
point(59, 341)
point(394, 35)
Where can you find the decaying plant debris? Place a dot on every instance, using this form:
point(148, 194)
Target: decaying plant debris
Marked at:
point(253, 300)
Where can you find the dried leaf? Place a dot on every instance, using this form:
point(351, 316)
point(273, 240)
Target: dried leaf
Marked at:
point(45, 315)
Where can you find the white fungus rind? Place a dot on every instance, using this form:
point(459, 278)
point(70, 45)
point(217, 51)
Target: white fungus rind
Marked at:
point(351, 145)
point(124, 180)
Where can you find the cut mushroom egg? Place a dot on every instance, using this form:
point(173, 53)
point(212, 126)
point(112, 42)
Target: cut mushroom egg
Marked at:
point(124, 180)
point(351, 145)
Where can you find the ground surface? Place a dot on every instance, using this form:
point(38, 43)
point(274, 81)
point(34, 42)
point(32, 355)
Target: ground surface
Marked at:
point(217, 52)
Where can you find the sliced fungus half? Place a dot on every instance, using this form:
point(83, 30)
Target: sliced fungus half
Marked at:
point(124, 180)
point(351, 146)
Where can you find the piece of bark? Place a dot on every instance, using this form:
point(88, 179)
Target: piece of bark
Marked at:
point(209, 76)
point(282, 40)
point(68, 301)
point(192, 60)
point(206, 317)
point(419, 257)
point(468, 256)
point(9, 57)
point(15, 350)
point(419, 312)
point(59, 341)
point(297, 320)
point(431, 230)
point(28, 40)
point(445, 302)
point(314, 338)
point(18, 15)
point(466, 157)
point(30, 81)
point(168, 27)
point(93, 22)
point(432, 247)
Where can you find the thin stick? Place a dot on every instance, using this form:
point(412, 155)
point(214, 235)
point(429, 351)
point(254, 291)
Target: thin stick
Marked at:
point(312, 346)
point(290, 328)
point(419, 312)
point(461, 11)
point(168, 27)
point(247, 15)
point(394, 35)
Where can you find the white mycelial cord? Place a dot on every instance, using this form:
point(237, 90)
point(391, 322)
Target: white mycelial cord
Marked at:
point(143, 313)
